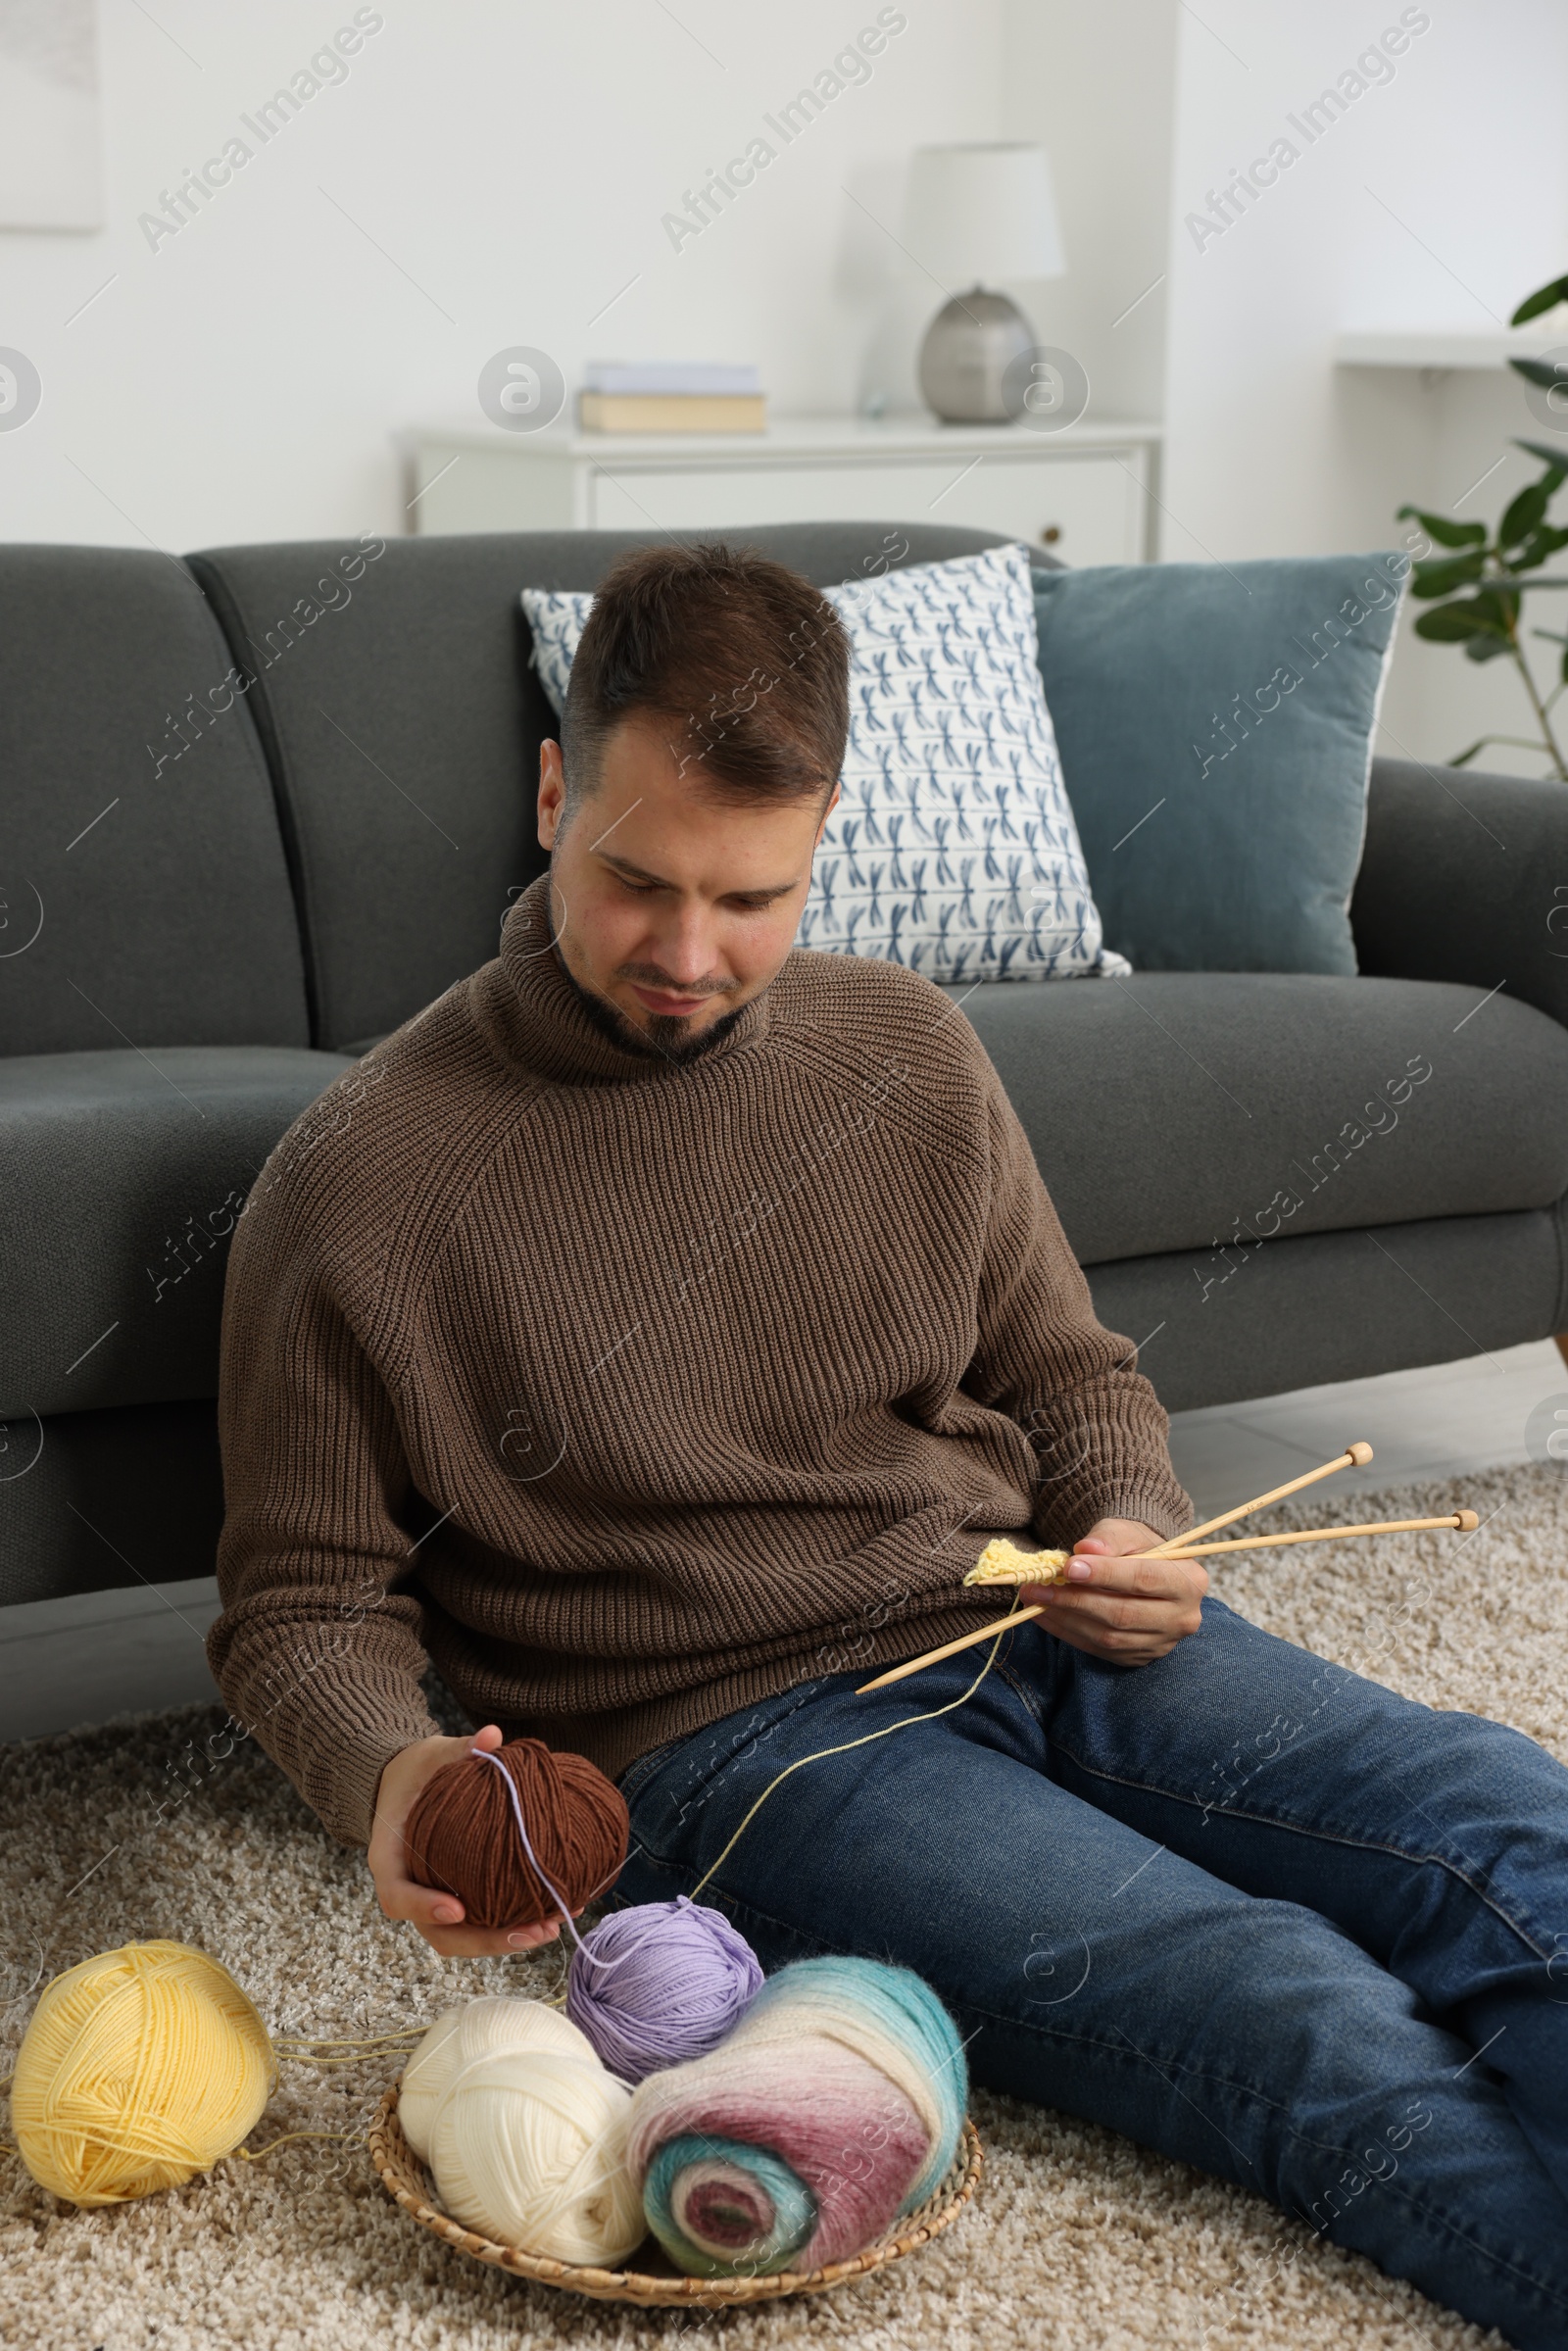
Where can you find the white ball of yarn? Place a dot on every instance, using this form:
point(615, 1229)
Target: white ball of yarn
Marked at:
point(529, 2147)
point(457, 2036)
point(423, 2078)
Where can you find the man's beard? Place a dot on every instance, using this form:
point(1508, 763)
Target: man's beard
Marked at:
point(668, 1036)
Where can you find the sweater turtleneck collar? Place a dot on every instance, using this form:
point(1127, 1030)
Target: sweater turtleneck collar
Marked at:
point(548, 1027)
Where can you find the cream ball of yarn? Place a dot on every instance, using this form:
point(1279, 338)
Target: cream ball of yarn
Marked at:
point(529, 2147)
point(423, 2078)
point(478, 2029)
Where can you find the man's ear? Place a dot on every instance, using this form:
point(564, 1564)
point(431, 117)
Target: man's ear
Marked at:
point(827, 813)
point(552, 792)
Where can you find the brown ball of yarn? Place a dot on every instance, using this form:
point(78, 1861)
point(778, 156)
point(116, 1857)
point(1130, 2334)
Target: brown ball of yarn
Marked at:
point(462, 1835)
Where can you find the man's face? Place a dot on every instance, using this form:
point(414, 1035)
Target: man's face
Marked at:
point(672, 908)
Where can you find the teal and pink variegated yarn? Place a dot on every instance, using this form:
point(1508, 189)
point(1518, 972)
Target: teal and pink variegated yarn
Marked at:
point(832, 2108)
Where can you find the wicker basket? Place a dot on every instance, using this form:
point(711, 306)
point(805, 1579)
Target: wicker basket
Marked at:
point(662, 2286)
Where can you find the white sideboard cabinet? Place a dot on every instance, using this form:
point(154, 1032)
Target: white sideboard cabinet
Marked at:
point(1089, 493)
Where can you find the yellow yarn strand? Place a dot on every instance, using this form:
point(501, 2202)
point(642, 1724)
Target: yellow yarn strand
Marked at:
point(362, 2047)
point(293, 2044)
point(255, 2154)
point(844, 1748)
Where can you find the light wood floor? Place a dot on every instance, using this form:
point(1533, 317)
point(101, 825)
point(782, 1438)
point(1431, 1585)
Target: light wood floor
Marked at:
point(63, 1663)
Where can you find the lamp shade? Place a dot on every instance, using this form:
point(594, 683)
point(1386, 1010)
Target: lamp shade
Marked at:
point(976, 215)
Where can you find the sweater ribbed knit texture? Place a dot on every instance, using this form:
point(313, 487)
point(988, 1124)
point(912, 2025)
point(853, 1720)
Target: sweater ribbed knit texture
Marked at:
point(633, 1391)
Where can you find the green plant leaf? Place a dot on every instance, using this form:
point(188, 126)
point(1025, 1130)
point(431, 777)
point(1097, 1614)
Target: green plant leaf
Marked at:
point(1488, 617)
point(1556, 458)
point(1544, 298)
point(1485, 648)
point(1444, 531)
point(1502, 604)
point(1454, 623)
point(1440, 577)
point(1546, 372)
point(1523, 514)
point(1536, 548)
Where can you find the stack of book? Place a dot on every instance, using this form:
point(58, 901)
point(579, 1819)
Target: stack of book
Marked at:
point(671, 396)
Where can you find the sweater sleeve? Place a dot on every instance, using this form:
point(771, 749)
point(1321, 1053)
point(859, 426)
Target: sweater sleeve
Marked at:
point(1097, 1427)
point(317, 1653)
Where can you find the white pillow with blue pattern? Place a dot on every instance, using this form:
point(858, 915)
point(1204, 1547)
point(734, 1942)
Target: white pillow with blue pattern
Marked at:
point(952, 848)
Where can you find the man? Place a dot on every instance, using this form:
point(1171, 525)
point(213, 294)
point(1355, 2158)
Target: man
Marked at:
point(653, 1332)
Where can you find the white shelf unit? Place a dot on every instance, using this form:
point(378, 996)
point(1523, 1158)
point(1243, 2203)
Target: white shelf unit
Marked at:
point(1445, 346)
point(1088, 493)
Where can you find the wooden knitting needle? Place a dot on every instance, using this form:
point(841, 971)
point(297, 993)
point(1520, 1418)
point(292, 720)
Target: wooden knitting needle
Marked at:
point(951, 1649)
point(1354, 1457)
point(1465, 1521)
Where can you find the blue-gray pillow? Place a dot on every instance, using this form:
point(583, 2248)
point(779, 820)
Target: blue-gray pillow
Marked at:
point(1214, 722)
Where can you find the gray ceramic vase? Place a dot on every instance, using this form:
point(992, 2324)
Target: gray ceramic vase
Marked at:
point(965, 354)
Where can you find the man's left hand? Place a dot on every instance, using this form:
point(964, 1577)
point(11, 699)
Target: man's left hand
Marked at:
point(1126, 1611)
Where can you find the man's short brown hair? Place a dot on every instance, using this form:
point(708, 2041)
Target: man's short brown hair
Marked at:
point(746, 660)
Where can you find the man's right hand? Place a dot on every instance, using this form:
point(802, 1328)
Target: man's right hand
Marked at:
point(438, 1916)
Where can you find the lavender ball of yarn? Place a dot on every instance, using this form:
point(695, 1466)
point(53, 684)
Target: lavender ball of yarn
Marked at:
point(661, 1983)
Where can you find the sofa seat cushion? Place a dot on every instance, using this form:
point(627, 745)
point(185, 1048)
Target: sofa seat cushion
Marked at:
point(1336, 1307)
point(1190, 1111)
point(90, 1500)
point(122, 1175)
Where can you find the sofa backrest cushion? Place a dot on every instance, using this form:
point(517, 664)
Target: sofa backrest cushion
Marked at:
point(393, 689)
point(145, 896)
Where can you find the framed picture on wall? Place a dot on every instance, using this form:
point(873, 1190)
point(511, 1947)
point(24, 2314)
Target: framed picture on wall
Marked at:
point(51, 174)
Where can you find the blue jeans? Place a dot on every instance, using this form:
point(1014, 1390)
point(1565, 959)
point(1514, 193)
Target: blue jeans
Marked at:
point(1242, 1905)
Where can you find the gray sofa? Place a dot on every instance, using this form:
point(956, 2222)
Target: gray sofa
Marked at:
point(213, 898)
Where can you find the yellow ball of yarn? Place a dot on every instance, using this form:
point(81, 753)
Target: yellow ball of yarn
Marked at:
point(140, 2067)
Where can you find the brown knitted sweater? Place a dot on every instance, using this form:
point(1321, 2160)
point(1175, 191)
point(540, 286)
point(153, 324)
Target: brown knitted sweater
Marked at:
point(634, 1393)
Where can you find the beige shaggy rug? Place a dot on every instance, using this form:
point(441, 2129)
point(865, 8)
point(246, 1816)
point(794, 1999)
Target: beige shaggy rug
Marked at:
point(1076, 2238)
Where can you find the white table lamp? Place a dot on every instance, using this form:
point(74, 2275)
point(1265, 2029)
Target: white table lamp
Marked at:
point(974, 213)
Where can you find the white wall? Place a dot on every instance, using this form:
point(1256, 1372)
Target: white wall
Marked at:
point(503, 165)
point(495, 171)
point(1096, 87)
point(1440, 197)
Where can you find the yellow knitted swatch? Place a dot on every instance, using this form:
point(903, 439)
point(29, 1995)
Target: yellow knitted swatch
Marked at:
point(1002, 1562)
point(140, 2067)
